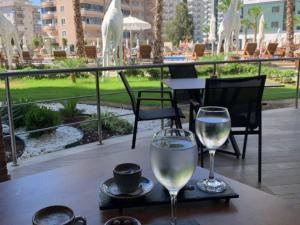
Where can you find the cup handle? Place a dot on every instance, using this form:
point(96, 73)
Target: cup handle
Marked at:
point(80, 219)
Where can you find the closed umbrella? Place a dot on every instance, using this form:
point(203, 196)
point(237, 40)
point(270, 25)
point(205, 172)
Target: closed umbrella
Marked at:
point(212, 32)
point(261, 31)
point(131, 24)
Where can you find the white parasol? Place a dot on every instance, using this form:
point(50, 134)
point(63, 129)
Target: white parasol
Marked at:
point(131, 24)
point(261, 32)
point(212, 31)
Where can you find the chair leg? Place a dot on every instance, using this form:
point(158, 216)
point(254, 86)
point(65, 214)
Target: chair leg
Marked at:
point(235, 146)
point(178, 123)
point(134, 133)
point(245, 144)
point(259, 155)
point(191, 118)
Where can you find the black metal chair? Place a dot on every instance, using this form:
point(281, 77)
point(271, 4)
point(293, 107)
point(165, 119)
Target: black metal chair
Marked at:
point(192, 97)
point(172, 113)
point(243, 98)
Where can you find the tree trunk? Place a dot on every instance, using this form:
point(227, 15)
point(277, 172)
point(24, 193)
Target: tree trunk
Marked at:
point(78, 28)
point(290, 28)
point(157, 45)
point(245, 37)
point(255, 31)
point(3, 169)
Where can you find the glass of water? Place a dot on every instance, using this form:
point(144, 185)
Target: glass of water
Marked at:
point(212, 127)
point(174, 157)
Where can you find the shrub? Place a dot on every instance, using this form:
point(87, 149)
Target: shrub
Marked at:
point(39, 117)
point(113, 125)
point(154, 73)
point(71, 63)
point(135, 72)
point(69, 110)
point(19, 112)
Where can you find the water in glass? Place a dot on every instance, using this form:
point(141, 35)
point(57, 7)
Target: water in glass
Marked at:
point(212, 128)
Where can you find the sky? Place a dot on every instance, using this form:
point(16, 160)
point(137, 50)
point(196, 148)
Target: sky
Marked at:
point(36, 2)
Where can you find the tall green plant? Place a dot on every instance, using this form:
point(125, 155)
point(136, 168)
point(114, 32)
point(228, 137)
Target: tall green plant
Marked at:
point(255, 13)
point(69, 110)
point(70, 63)
point(182, 27)
point(246, 24)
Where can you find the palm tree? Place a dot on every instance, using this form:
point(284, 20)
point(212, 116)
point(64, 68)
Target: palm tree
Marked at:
point(3, 169)
point(289, 28)
point(246, 24)
point(255, 12)
point(158, 43)
point(78, 28)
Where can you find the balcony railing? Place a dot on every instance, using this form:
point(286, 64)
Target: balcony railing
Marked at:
point(97, 71)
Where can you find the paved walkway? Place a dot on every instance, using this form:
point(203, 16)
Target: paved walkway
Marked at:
point(281, 156)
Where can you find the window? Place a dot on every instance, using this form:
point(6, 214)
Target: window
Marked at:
point(63, 21)
point(298, 28)
point(275, 9)
point(64, 33)
point(92, 7)
point(91, 20)
point(62, 8)
point(275, 24)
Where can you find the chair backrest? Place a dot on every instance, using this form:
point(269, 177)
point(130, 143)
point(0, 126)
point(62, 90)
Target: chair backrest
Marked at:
point(250, 48)
point(199, 50)
point(145, 52)
point(26, 55)
point(90, 52)
point(242, 97)
point(129, 91)
point(271, 48)
point(180, 72)
point(60, 54)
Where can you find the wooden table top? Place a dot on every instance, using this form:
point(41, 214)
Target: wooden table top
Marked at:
point(199, 83)
point(77, 187)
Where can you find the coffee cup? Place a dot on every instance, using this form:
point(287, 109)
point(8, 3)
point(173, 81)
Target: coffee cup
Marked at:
point(58, 215)
point(127, 177)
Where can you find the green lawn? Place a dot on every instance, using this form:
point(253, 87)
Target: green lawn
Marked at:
point(59, 88)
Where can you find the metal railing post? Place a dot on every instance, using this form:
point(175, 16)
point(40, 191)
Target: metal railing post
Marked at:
point(215, 70)
point(297, 87)
point(162, 94)
point(11, 122)
point(99, 122)
point(259, 68)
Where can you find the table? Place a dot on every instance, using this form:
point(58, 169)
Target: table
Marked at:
point(198, 83)
point(77, 186)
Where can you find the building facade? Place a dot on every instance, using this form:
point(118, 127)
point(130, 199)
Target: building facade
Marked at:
point(24, 15)
point(274, 12)
point(58, 18)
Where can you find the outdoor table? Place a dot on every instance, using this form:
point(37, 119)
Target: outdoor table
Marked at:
point(77, 186)
point(198, 83)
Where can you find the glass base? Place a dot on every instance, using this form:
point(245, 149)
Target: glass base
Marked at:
point(212, 185)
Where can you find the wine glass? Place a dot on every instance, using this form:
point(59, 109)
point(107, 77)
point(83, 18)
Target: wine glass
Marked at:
point(212, 127)
point(174, 158)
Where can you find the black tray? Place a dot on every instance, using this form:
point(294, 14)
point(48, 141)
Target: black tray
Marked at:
point(160, 196)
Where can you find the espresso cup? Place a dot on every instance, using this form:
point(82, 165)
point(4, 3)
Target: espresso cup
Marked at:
point(127, 177)
point(58, 215)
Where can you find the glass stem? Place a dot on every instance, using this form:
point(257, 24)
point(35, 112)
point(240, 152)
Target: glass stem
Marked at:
point(212, 164)
point(173, 208)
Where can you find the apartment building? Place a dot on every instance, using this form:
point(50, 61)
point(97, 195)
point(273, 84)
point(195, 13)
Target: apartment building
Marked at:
point(169, 9)
point(58, 18)
point(274, 12)
point(24, 15)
